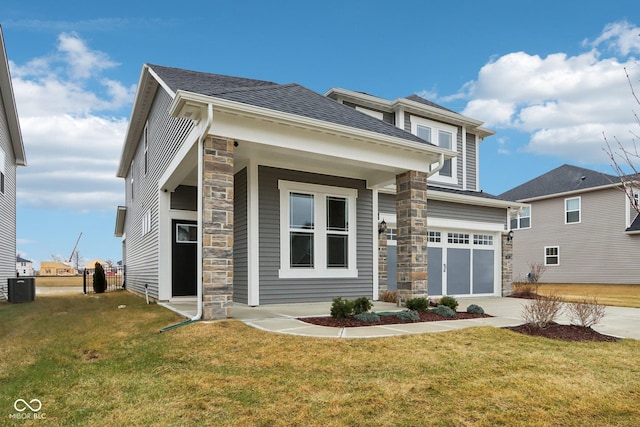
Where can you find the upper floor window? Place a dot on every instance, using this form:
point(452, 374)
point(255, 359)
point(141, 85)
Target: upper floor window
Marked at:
point(317, 230)
point(2, 171)
point(572, 210)
point(442, 135)
point(146, 148)
point(521, 218)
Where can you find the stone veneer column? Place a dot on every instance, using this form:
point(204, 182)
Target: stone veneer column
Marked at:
point(507, 265)
point(411, 217)
point(217, 228)
point(383, 284)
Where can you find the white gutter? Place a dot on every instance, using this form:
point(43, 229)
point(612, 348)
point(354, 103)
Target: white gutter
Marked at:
point(201, 139)
point(437, 169)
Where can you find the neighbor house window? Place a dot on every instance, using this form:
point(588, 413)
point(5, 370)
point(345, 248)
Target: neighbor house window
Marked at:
point(442, 135)
point(317, 230)
point(146, 222)
point(552, 255)
point(521, 218)
point(572, 210)
point(2, 171)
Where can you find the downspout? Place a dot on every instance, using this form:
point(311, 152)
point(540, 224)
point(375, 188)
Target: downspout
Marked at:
point(437, 169)
point(203, 136)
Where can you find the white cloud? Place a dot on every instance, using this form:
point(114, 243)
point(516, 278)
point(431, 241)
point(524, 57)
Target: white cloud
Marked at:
point(564, 102)
point(72, 144)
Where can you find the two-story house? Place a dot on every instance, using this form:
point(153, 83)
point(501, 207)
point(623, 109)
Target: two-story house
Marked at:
point(11, 156)
point(24, 267)
point(254, 192)
point(579, 224)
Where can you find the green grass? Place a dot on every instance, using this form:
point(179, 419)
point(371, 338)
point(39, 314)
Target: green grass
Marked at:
point(92, 363)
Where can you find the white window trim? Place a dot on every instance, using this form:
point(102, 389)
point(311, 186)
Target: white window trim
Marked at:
point(579, 210)
point(630, 213)
point(320, 193)
point(545, 256)
point(517, 215)
point(146, 223)
point(435, 127)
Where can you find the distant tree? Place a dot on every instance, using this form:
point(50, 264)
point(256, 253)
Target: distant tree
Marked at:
point(57, 258)
point(77, 260)
point(625, 159)
point(99, 279)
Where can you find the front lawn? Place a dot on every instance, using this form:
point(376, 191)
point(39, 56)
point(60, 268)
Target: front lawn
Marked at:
point(91, 363)
point(616, 295)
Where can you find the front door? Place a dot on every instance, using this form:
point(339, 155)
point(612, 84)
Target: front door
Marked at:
point(184, 257)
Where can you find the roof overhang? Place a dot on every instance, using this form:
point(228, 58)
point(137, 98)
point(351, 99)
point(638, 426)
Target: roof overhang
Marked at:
point(412, 107)
point(445, 196)
point(121, 215)
point(570, 193)
point(8, 100)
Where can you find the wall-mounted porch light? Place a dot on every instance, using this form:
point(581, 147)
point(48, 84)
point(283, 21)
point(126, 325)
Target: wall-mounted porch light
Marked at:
point(510, 236)
point(382, 227)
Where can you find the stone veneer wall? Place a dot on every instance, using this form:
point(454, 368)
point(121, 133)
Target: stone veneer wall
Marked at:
point(507, 265)
point(411, 218)
point(217, 228)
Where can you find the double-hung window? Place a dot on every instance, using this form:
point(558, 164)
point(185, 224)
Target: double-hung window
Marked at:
point(317, 230)
point(552, 255)
point(442, 135)
point(521, 218)
point(572, 210)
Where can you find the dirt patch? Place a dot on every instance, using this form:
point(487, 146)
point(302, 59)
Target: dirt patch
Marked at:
point(387, 319)
point(563, 332)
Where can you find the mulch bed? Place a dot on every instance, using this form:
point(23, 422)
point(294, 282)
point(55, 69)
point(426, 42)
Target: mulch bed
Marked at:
point(425, 316)
point(563, 332)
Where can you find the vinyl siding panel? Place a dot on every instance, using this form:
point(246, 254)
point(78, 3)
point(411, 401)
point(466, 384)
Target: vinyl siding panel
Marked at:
point(240, 249)
point(165, 136)
point(597, 250)
point(275, 290)
point(472, 161)
point(7, 206)
point(449, 210)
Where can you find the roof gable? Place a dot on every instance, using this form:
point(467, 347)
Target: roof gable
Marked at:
point(563, 179)
point(421, 100)
point(8, 100)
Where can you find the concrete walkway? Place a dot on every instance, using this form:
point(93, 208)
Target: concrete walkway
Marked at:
point(282, 318)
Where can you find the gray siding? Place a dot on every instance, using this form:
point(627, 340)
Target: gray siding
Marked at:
point(386, 116)
point(185, 198)
point(165, 135)
point(274, 290)
point(7, 206)
point(597, 250)
point(472, 161)
point(240, 249)
point(449, 210)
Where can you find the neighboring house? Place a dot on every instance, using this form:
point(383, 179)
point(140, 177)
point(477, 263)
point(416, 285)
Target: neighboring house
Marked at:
point(11, 155)
point(24, 267)
point(56, 268)
point(92, 264)
point(248, 191)
point(579, 224)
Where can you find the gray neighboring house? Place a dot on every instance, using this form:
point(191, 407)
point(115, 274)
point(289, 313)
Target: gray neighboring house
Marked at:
point(252, 192)
point(579, 224)
point(11, 155)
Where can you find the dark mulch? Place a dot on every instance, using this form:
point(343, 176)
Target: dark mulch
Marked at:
point(425, 316)
point(563, 332)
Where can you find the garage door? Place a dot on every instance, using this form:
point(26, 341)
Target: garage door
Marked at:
point(460, 263)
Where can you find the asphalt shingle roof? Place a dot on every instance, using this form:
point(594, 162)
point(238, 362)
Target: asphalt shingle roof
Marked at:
point(481, 194)
point(421, 100)
point(289, 98)
point(635, 225)
point(560, 180)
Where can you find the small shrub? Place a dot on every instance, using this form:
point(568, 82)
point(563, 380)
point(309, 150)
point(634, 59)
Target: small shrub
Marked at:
point(475, 309)
point(341, 308)
point(389, 296)
point(586, 312)
point(367, 317)
point(99, 279)
point(408, 315)
point(526, 289)
point(417, 304)
point(444, 311)
point(361, 305)
point(542, 311)
point(450, 302)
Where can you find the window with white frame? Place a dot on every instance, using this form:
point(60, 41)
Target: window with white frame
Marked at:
point(132, 171)
point(521, 218)
point(572, 210)
point(146, 222)
point(552, 255)
point(2, 171)
point(458, 238)
point(146, 148)
point(317, 230)
point(434, 237)
point(442, 135)
point(483, 239)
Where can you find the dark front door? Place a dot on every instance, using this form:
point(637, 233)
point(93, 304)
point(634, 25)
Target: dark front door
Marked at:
point(184, 257)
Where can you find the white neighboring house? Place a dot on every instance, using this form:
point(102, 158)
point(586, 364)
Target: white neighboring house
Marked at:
point(11, 156)
point(24, 267)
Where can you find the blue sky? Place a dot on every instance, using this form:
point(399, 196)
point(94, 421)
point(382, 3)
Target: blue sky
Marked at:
point(547, 76)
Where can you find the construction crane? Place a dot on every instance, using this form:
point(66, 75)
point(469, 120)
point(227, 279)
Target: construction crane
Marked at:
point(75, 247)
